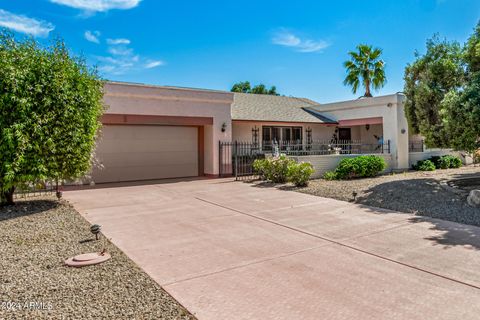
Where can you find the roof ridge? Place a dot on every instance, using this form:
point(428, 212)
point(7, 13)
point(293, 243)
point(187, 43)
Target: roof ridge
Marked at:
point(260, 107)
point(310, 101)
point(307, 100)
point(159, 86)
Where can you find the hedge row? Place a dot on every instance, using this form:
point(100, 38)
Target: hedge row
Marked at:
point(437, 162)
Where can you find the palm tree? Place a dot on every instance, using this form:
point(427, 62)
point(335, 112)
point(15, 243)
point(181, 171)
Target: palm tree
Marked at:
point(365, 67)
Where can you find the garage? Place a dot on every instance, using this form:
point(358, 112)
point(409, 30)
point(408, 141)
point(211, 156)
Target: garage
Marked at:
point(155, 132)
point(145, 152)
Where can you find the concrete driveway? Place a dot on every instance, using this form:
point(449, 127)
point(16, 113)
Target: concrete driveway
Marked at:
point(230, 250)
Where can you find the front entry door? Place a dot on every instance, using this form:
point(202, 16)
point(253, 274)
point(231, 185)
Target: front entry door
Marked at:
point(344, 134)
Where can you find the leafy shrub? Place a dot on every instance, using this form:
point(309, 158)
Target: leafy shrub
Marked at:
point(300, 173)
point(283, 169)
point(454, 161)
point(443, 163)
point(260, 167)
point(279, 169)
point(436, 161)
point(273, 169)
point(447, 161)
point(424, 165)
point(50, 107)
point(360, 167)
point(330, 175)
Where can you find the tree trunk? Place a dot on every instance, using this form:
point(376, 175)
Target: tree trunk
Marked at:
point(367, 90)
point(6, 197)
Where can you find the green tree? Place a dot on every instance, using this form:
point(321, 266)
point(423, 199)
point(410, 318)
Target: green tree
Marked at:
point(460, 112)
point(472, 51)
point(50, 105)
point(427, 80)
point(245, 87)
point(460, 109)
point(365, 68)
point(259, 89)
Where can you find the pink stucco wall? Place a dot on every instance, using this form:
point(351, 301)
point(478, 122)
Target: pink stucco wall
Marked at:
point(139, 99)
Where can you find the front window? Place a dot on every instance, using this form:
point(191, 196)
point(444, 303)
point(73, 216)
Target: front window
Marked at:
point(297, 134)
point(283, 135)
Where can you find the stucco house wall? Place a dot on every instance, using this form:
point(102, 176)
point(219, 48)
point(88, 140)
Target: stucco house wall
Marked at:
point(212, 111)
point(394, 123)
point(325, 163)
point(368, 136)
point(190, 104)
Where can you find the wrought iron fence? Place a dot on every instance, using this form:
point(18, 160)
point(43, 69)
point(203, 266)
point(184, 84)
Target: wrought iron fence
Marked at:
point(236, 158)
point(323, 147)
point(35, 189)
point(416, 146)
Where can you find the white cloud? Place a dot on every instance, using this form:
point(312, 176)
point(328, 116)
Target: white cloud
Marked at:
point(123, 59)
point(120, 51)
point(92, 36)
point(118, 41)
point(288, 39)
point(116, 66)
point(25, 24)
point(98, 5)
point(154, 64)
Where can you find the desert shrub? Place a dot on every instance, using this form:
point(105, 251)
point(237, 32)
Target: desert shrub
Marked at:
point(424, 165)
point(300, 173)
point(279, 169)
point(442, 163)
point(447, 161)
point(260, 167)
point(360, 167)
point(282, 169)
point(436, 161)
point(454, 161)
point(273, 169)
point(330, 175)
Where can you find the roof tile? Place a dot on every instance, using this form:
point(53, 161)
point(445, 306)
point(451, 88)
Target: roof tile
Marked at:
point(261, 107)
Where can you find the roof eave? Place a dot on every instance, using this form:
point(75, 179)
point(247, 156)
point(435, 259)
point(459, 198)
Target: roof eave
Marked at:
point(286, 121)
point(318, 115)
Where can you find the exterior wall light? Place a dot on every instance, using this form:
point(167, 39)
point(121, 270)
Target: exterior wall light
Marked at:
point(389, 104)
point(367, 127)
point(224, 127)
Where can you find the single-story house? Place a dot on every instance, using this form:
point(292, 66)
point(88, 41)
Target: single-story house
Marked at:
point(156, 132)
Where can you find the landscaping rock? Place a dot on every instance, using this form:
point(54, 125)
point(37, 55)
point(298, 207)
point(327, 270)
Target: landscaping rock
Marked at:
point(417, 192)
point(36, 237)
point(473, 198)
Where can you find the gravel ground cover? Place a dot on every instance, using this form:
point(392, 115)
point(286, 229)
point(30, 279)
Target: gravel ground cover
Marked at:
point(36, 237)
point(414, 192)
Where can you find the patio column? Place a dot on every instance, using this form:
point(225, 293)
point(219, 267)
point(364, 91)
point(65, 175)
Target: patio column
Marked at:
point(395, 129)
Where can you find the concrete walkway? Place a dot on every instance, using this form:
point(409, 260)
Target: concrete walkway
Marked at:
point(230, 250)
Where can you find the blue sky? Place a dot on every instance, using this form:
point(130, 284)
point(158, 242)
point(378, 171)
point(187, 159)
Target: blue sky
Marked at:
point(299, 46)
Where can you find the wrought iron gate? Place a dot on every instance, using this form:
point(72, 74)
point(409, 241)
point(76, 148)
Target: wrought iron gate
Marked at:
point(236, 159)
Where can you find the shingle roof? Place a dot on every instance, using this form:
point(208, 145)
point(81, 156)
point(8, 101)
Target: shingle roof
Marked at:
point(261, 107)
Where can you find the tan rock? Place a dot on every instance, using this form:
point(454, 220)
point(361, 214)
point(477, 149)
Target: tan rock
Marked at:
point(474, 198)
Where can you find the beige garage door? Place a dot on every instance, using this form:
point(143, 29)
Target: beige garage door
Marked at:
point(138, 152)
